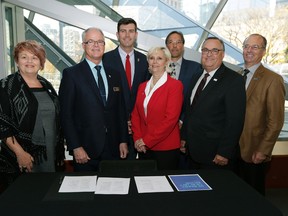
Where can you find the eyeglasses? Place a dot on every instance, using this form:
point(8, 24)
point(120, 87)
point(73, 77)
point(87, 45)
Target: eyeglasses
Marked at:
point(92, 42)
point(253, 47)
point(213, 51)
point(175, 42)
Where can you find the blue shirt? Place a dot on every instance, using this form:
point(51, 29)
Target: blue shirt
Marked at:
point(94, 72)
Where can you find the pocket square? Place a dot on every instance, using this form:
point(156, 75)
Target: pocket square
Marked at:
point(116, 89)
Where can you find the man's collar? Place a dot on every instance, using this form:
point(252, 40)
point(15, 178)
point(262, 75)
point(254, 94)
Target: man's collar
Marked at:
point(179, 61)
point(122, 52)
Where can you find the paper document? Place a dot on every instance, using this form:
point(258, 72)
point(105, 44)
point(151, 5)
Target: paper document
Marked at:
point(112, 185)
point(189, 182)
point(78, 184)
point(152, 184)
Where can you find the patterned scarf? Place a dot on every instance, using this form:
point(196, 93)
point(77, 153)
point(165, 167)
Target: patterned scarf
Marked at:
point(18, 109)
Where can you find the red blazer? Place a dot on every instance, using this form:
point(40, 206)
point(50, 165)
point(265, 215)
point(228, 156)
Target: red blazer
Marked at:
point(159, 129)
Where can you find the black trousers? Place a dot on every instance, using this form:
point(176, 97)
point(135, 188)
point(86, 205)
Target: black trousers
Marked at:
point(254, 174)
point(93, 164)
point(166, 160)
point(183, 161)
point(132, 151)
point(194, 165)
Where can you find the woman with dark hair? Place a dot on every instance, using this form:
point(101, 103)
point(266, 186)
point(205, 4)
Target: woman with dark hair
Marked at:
point(29, 124)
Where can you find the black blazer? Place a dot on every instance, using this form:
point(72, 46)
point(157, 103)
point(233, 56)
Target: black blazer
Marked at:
point(84, 118)
point(189, 71)
point(214, 125)
point(141, 74)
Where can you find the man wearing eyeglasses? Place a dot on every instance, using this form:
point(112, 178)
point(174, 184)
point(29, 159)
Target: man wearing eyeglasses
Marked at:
point(214, 112)
point(92, 107)
point(264, 113)
point(183, 70)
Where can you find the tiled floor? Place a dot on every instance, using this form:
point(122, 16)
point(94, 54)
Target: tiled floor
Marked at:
point(279, 197)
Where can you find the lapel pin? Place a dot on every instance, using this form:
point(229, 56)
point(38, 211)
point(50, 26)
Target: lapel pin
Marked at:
point(215, 80)
point(138, 59)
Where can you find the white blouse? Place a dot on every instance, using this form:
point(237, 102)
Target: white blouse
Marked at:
point(149, 93)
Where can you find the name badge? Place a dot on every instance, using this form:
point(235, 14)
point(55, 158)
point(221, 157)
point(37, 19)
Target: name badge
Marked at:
point(116, 89)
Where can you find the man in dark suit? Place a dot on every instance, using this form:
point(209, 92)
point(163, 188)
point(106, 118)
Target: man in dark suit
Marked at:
point(183, 70)
point(214, 112)
point(92, 108)
point(131, 65)
point(264, 113)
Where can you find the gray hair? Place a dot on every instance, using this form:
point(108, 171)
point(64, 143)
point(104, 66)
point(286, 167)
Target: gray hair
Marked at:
point(91, 28)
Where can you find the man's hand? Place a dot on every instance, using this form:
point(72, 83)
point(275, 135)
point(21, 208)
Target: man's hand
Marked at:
point(183, 146)
point(123, 148)
point(219, 160)
point(258, 157)
point(80, 155)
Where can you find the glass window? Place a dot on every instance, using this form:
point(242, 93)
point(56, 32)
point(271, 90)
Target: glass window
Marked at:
point(10, 43)
point(269, 18)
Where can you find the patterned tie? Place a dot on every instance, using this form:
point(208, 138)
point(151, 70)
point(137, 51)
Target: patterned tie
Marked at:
point(199, 89)
point(173, 70)
point(101, 85)
point(246, 71)
point(128, 70)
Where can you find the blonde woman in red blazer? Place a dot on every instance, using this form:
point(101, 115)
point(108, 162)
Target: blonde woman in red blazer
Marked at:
point(156, 113)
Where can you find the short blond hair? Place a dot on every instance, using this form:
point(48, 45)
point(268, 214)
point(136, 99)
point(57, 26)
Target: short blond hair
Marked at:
point(156, 49)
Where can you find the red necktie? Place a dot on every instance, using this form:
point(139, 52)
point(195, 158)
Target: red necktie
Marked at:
point(128, 70)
